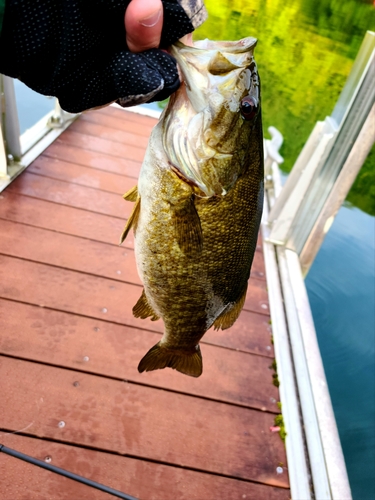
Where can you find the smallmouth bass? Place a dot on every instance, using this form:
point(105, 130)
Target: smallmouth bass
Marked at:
point(198, 202)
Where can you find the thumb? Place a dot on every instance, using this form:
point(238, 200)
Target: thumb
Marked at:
point(143, 24)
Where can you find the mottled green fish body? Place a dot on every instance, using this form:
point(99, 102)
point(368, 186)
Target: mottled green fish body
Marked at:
point(199, 200)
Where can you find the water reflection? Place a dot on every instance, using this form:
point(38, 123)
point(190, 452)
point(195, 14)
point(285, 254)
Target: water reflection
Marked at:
point(305, 52)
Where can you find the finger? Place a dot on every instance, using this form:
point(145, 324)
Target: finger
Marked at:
point(143, 24)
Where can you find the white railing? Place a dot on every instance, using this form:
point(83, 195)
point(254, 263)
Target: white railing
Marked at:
point(316, 464)
point(18, 151)
point(295, 221)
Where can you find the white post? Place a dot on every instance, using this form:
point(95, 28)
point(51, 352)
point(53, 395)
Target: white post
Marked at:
point(346, 178)
point(3, 158)
point(12, 126)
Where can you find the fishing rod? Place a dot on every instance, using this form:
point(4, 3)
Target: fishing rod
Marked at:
point(65, 473)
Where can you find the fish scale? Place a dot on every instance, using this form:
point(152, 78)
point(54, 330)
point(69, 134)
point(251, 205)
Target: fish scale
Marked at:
point(194, 250)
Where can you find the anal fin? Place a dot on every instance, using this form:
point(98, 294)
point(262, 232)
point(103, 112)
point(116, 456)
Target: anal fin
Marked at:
point(184, 361)
point(143, 310)
point(188, 227)
point(132, 221)
point(132, 194)
point(230, 314)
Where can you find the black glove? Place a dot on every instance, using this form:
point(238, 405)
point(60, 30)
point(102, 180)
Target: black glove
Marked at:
point(76, 50)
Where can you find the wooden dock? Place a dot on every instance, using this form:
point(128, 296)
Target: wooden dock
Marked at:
point(69, 346)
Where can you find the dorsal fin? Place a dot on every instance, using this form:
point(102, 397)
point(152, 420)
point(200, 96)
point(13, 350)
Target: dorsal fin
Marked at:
point(230, 314)
point(132, 194)
point(132, 221)
point(143, 310)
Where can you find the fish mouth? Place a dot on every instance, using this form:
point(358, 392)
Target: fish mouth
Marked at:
point(216, 76)
point(218, 58)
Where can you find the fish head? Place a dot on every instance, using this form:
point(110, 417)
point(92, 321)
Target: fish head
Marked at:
point(209, 121)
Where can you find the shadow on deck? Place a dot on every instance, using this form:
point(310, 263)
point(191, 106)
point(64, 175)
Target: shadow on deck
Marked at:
point(69, 345)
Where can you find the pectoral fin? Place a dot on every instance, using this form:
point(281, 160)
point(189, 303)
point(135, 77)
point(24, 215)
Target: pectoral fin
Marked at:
point(132, 194)
point(143, 310)
point(158, 357)
point(230, 314)
point(132, 221)
point(188, 227)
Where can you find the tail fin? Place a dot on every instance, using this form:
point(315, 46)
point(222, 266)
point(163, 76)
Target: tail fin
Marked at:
point(158, 357)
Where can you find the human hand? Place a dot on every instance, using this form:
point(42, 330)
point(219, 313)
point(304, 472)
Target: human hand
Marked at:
point(143, 24)
point(78, 50)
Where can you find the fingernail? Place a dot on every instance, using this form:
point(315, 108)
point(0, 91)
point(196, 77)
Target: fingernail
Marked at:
point(151, 20)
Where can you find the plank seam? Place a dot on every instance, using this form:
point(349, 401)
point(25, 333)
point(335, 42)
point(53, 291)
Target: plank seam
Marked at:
point(47, 154)
point(63, 232)
point(64, 204)
point(131, 249)
point(270, 356)
point(144, 459)
point(116, 280)
point(142, 384)
point(88, 119)
point(90, 239)
point(131, 116)
point(108, 127)
point(61, 140)
point(48, 176)
point(55, 266)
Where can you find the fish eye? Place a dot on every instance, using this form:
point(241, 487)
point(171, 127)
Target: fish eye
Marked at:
point(249, 108)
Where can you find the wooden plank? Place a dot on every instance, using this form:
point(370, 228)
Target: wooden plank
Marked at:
point(123, 123)
point(103, 146)
point(77, 174)
point(258, 269)
point(87, 295)
point(74, 195)
point(254, 337)
point(61, 339)
point(96, 227)
point(251, 333)
point(61, 218)
point(70, 252)
point(99, 130)
point(124, 114)
point(257, 297)
point(140, 422)
point(94, 159)
point(140, 479)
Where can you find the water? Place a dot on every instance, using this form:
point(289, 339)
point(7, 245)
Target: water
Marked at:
point(305, 52)
point(341, 288)
point(31, 106)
